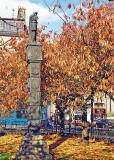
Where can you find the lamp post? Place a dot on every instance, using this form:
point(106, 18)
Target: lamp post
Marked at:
point(67, 117)
point(62, 121)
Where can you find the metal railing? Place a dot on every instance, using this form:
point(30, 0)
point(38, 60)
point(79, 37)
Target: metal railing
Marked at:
point(97, 133)
point(104, 134)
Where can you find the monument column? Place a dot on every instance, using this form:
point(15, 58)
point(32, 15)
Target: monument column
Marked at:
point(34, 64)
point(33, 146)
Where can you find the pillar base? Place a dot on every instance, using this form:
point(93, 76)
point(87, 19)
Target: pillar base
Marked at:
point(33, 147)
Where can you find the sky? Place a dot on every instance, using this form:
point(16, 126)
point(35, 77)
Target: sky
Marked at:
point(45, 16)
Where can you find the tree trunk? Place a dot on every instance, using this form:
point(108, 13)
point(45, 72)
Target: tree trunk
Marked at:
point(85, 127)
point(61, 119)
point(61, 122)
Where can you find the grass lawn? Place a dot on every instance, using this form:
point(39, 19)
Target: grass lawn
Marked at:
point(62, 148)
point(6, 156)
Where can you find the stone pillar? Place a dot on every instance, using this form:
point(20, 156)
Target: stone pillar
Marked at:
point(33, 146)
point(34, 55)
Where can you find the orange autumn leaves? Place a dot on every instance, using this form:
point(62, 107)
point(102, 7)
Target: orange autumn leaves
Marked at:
point(79, 58)
point(13, 76)
point(10, 143)
point(72, 148)
point(75, 61)
point(69, 148)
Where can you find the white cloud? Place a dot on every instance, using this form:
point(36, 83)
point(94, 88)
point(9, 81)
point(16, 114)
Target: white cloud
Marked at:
point(43, 13)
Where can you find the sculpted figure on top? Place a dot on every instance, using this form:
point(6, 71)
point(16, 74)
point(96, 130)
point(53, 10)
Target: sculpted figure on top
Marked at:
point(33, 20)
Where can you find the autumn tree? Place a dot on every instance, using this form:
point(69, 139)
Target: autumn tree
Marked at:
point(76, 62)
point(79, 60)
point(13, 74)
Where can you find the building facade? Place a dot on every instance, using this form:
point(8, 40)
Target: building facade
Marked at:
point(11, 27)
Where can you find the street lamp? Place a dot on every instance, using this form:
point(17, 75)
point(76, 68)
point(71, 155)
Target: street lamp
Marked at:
point(67, 117)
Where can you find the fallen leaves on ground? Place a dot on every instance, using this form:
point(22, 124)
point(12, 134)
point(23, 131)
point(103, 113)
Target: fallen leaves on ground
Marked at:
point(64, 148)
point(73, 148)
point(10, 143)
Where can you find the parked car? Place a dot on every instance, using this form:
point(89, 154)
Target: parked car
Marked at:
point(103, 123)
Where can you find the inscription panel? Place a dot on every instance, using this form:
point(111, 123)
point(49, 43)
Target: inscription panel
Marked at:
point(34, 98)
point(34, 69)
point(34, 84)
point(34, 52)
